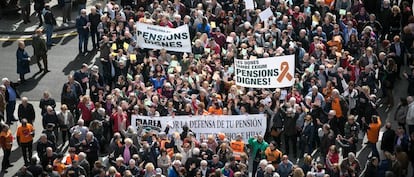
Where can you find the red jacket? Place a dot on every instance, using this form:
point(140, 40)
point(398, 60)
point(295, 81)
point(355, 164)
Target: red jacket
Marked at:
point(117, 121)
point(86, 112)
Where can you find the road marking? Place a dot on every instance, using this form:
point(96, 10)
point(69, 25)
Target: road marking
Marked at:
point(29, 37)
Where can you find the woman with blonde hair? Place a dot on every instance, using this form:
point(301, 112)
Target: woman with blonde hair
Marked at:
point(298, 172)
point(86, 107)
point(149, 170)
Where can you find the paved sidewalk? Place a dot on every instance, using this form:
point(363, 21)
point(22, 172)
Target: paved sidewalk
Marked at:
point(16, 156)
point(12, 24)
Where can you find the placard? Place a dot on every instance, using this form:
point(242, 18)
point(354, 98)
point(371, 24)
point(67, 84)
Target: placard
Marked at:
point(231, 125)
point(274, 72)
point(159, 37)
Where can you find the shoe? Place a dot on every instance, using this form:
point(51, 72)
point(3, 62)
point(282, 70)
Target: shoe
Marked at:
point(46, 71)
point(4, 171)
point(10, 165)
point(29, 21)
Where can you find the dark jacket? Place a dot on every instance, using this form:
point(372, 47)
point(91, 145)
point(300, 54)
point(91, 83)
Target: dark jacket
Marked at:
point(388, 136)
point(80, 23)
point(23, 63)
point(49, 118)
point(39, 46)
point(49, 18)
point(45, 103)
point(94, 19)
point(26, 112)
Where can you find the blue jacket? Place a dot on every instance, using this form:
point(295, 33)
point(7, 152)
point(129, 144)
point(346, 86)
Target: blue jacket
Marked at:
point(80, 23)
point(23, 63)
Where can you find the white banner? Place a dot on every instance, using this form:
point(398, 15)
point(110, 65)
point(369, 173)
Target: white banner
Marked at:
point(274, 72)
point(158, 37)
point(246, 125)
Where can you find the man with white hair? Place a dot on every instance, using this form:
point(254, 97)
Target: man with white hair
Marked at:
point(339, 104)
point(10, 96)
point(91, 147)
point(350, 163)
point(81, 128)
point(26, 110)
point(94, 19)
point(82, 157)
point(82, 27)
point(316, 96)
point(175, 168)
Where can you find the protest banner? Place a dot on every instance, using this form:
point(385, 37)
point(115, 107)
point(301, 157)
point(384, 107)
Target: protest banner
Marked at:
point(274, 72)
point(159, 37)
point(230, 125)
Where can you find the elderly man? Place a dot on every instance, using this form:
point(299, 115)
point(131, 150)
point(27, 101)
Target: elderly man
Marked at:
point(94, 19)
point(26, 110)
point(350, 163)
point(82, 27)
point(40, 50)
point(10, 96)
point(91, 147)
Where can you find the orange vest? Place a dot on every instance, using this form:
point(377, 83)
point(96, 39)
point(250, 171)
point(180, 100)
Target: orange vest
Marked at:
point(59, 166)
point(6, 139)
point(69, 159)
point(170, 151)
point(336, 105)
point(25, 133)
point(273, 155)
point(238, 149)
point(373, 131)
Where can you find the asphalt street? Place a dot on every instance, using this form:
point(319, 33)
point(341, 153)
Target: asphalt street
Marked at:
point(64, 60)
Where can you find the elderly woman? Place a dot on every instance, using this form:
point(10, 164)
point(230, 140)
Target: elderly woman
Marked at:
point(23, 61)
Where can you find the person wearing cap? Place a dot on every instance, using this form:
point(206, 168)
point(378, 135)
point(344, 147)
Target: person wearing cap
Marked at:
point(40, 50)
point(24, 137)
point(75, 141)
point(49, 131)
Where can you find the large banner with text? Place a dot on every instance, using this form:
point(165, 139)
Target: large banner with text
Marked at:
point(246, 125)
point(159, 37)
point(274, 72)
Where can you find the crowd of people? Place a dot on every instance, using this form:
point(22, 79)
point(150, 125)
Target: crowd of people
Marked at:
point(349, 56)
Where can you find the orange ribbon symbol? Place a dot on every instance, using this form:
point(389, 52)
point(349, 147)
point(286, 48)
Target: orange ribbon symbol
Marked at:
point(285, 72)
